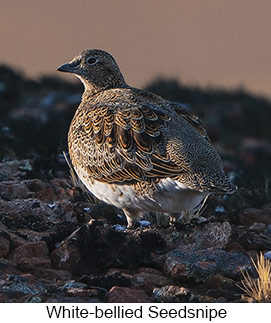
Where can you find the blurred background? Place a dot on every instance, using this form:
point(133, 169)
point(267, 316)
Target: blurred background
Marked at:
point(225, 43)
point(213, 56)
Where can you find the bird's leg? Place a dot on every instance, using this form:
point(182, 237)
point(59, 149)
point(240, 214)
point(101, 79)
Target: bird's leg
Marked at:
point(174, 217)
point(132, 218)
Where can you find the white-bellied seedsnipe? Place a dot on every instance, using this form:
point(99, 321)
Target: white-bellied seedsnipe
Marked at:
point(135, 150)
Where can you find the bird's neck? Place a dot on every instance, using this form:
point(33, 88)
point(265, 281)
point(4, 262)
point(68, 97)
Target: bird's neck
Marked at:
point(93, 89)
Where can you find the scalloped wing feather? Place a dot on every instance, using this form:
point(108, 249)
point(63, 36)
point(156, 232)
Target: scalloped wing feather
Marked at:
point(118, 145)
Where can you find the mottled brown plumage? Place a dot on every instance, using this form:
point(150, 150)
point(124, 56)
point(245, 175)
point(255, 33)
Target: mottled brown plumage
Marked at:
point(136, 150)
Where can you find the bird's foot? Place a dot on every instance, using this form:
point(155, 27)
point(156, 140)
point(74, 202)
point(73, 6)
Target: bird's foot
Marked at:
point(138, 224)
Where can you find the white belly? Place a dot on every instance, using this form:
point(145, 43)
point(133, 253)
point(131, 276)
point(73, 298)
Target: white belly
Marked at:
point(170, 196)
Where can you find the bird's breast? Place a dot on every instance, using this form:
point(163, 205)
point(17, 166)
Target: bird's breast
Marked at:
point(169, 195)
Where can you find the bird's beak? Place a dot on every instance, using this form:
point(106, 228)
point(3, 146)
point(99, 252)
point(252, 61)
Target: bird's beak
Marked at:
point(64, 68)
point(68, 67)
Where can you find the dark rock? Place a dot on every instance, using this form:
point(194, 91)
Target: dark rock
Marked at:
point(198, 265)
point(53, 275)
point(219, 286)
point(51, 191)
point(251, 240)
point(97, 246)
point(152, 240)
point(30, 236)
point(21, 214)
point(32, 254)
point(3, 299)
point(12, 170)
point(4, 246)
point(71, 285)
point(33, 214)
point(60, 231)
point(174, 294)
point(148, 280)
point(257, 227)
point(74, 194)
point(235, 246)
point(216, 281)
point(107, 212)
point(81, 292)
point(227, 294)
point(202, 236)
point(128, 295)
point(46, 195)
point(35, 205)
point(107, 281)
point(4, 241)
point(13, 190)
point(251, 215)
point(77, 289)
point(10, 240)
point(45, 167)
point(35, 184)
point(66, 299)
point(7, 267)
point(16, 286)
point(210, 235)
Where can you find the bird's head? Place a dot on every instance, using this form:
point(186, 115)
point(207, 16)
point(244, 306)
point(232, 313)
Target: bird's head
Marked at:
point(96, 69)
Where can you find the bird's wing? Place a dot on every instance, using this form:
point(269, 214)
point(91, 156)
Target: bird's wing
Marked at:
point(191, 118)
point(119, 142)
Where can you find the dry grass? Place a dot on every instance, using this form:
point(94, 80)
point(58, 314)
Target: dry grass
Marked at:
point(76, 182)
point(259, 289)
point(156, 218)
point(188, 215)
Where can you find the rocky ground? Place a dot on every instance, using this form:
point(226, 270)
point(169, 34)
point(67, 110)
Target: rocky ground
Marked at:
point(59, 245)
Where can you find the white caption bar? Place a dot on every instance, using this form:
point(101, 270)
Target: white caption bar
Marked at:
point(104, 312)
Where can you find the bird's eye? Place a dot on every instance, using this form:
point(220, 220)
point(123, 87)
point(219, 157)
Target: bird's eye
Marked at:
point(92, 61)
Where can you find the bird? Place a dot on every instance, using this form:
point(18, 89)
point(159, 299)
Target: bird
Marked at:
point(135, 150)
